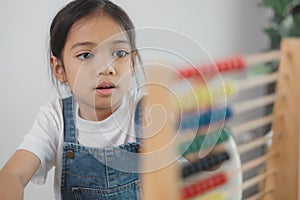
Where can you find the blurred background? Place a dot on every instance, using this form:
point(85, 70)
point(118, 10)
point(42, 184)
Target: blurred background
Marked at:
point(223, 28)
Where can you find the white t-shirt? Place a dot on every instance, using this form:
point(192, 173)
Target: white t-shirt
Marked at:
point(46, 137)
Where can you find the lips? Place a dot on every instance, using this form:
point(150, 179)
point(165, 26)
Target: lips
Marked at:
point(105, 88)
point(105, 85)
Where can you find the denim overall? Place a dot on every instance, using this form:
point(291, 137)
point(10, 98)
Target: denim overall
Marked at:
point(90, 173)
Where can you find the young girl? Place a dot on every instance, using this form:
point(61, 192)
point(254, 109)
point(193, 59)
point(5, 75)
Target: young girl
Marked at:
point(90, 137)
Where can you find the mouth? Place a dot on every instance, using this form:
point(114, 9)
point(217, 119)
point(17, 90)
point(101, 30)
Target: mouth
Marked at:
point(105, 88)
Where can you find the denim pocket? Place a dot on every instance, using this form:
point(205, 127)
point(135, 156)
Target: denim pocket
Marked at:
point(128, 191)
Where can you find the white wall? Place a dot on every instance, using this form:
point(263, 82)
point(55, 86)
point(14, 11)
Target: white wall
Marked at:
point(222, 27)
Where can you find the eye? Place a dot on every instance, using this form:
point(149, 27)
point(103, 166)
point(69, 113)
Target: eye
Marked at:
point(120, 53)
point(85, 56)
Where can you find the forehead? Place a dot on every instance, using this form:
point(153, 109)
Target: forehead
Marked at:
point(97, 29)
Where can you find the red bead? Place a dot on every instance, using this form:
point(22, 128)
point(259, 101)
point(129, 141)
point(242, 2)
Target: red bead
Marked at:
point(204, 185)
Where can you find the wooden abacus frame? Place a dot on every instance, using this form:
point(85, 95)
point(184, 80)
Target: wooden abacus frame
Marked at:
point(285, 126)
point(282, 170)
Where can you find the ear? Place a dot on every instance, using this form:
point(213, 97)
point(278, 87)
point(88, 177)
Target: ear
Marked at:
point(133, 62)
point(58, 69)
point(133, 58)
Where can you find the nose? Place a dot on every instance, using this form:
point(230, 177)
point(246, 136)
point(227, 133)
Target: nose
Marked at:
point(107, 70)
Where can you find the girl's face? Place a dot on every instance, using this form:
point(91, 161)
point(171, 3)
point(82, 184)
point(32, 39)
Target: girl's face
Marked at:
point(97, 65)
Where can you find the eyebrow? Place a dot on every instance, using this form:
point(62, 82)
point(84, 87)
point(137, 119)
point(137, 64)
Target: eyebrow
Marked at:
point(94, 44)
point(83, 44)
point(120, 42)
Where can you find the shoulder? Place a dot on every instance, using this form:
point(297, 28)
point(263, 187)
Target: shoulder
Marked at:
point(46, 129)
point(138, 98)
point(55, 107)
point(140, 109)
point(141, 100)
point(52, 108)
point(50, 116)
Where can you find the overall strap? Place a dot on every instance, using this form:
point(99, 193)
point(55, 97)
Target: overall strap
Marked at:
point(69, 123)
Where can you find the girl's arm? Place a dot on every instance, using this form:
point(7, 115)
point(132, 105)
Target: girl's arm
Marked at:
point(16, 173)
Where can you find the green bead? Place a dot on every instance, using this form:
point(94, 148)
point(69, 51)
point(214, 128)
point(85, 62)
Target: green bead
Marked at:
point(201, 142)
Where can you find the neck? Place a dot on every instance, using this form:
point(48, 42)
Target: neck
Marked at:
point(91, 113)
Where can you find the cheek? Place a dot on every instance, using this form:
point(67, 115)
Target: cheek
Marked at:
point(77, 77)
point(125, 78)
point(125, 70)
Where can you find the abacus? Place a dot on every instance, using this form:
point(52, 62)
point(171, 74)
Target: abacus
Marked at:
point(201, 175)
